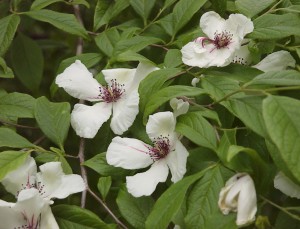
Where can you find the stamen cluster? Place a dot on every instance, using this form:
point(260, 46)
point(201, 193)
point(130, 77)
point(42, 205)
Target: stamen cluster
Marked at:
point(161, 148)
point(111, 93)
point(222, 40)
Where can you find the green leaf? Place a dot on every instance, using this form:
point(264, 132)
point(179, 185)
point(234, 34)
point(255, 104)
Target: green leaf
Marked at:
point(165, 94)
point(17, 105)
point(196, 128)
point(134, 210)
point(202, 203)
point(53, 119)
point(282, 119)
point(168, 204)
point(40, 4)
point(153, 82)
point(272, 26)
point(99, 164)
point(79, 2)
point(142, 7)
point(10, 138)
point(5, 72)
point(62, 21)
point(184, 11)
point(251, 8)
point(280, 78)
point(71, 216)
point(219, 6)
point(8, 27)
point(173, 58)
point(106, 10)
point(132, 56)
point(103, 186)
point(106, 41)
point(28, 62)
point(11, 160)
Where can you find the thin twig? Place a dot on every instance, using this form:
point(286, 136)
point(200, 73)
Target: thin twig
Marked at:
point(77, 13)
point(106, 208)
point(180, 73)
point(39, 140)
point(160, 46)
point(83, 170)
point(17, 125)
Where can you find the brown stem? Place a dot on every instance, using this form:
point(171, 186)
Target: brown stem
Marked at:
point(106, 208)
point(17, 125)
point(83, 170)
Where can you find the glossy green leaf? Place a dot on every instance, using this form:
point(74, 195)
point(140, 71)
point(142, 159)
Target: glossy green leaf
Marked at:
point(71, 216)
point(272, 26)
point(170, 201)
point(132, 56)
point(17, 105)
point(196, 128)
point(282, 119)
point(107, 40)
point(5, 71)
point(173, 58)
point(28, 62)
point(103, 186)
point(251, 8)
point(53, 119)
point(202, 203)
point(40, 4)
point(10, 138)
point(134, 210)
point(11, 160)
point(8, 27)
point(142, 7)
point(165, 94)
point(62, 21)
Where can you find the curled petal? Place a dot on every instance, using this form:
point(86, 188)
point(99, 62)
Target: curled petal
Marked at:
point(176, 161)
point(87, 120)
point(79, 82)
point(128, 153)
point(161, 124)
point(195, 81)
point(124, 112)
point(144, 184)
point(276, 61)
point(47, 220)
point(286, 186)
point(179, 106)
point(21, 178)
point(210, 22)
point(121, 75)
point(243, 25)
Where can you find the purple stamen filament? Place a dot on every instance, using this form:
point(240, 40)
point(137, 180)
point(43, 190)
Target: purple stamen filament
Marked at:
point(111, 93)
point(160, 149)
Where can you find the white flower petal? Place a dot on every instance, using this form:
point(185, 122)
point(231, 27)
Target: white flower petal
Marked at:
point(10, 218)
point(128, 153)
point(161, 123)
point(121, 75)
point(286, 186)
point(22, 177)
point(55, 184)
point(124, 112)
point(6, 204)
point(79, 82)
point(87, 120)
point(276, 61)
point(144, 184)
point(179, 106)
point(47, 220)
point(242, 55)
point(195, 81)
point(176, 161)
point(243, 24)
point(210, 22)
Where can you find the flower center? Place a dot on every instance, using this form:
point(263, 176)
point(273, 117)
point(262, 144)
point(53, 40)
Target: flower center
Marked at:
point(222, 40)
point(239, 60)
point(111, 93)
point(161, 148)
point(38, 185)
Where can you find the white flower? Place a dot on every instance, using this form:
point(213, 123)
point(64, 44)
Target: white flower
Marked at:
point(119, 97)
point(30, 211)
point(224, 37)
point(179, 106)
point(51, 182)
point(239, 196)
point(166, 153)
point(287, 186)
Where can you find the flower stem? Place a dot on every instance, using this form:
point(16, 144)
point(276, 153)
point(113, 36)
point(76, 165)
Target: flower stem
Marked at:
point(83, 170)
point(17, 125)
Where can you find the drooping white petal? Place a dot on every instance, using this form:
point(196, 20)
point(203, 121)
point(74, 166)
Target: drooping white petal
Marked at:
point(176, 161)
point(193, 54)
point(6, 204)
point(144, 184)
point(239, 195)
point(286, 186)
point(53, 183)
point(79, 82)
point(210, 22)
point(243, 25)
point(124, 112)
point(161, 124)
point(128, 153)
point(87, 120)
point(21, 178)
point(121, 75)
point(47, 220)
point(10, 218)
point(276, 61)
point(179, 106)
point(195, 81)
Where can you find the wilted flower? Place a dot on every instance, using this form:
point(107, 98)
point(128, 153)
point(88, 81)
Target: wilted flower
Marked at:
point(224, 37)
point(239, 196)
point(167, 152)
point(286, 185)
point(119, 97)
